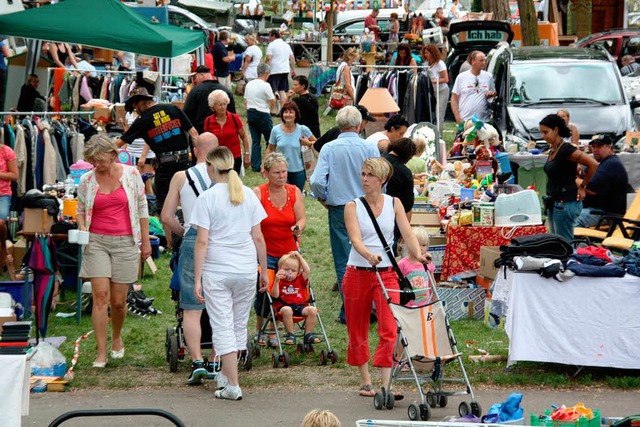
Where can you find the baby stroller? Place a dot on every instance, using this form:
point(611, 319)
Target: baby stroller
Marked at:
point(425, 345)
point(175, 343)
point(270, 327)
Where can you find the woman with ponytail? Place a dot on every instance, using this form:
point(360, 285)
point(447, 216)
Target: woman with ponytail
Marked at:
point(228, 249)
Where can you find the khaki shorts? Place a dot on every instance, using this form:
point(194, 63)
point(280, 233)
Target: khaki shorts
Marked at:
point(114, 257)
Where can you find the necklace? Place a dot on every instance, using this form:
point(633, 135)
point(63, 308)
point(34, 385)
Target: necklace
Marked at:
point(269, 198)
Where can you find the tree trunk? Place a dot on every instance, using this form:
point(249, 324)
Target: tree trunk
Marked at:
point(500, 9)
point(528, 23)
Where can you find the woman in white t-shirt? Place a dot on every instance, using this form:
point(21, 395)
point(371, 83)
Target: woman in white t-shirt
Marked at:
point(229, 242)
point(136, 147)
point(345, 76)
point(439, 77)
point(252, 57)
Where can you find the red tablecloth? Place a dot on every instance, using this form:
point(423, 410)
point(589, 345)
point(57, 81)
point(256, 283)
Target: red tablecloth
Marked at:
point(464, 242)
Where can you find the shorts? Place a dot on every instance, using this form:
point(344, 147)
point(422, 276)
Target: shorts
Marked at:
point(186, 267)
point(297, 308)
point(5, 207)
point(113, 257)
point(279, 82)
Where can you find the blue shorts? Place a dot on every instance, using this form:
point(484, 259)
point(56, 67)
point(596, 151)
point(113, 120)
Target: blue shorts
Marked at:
point(186, 266)
point(279, 82)
point(5, 207)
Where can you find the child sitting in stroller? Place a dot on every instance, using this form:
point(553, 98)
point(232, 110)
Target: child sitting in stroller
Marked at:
point(291, 291)
point(416, 273)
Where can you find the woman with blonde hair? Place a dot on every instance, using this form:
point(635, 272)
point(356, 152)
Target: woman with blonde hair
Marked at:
point(320, 418)
point(112, 206)
point(229, 242)
point(439, 78)
point(367, 260)
point(344, 76)
point(228, 128)
point(575, 133)
point(251, 59)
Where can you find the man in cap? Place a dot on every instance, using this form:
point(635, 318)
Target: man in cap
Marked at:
point(336, 181)
point(607, 190)
point(196, 107)
point(333, 133)
point(166, 131)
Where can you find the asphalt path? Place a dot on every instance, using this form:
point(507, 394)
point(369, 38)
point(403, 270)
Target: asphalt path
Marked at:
point(196, 406)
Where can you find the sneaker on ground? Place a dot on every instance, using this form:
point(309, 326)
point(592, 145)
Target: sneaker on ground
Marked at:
point(221, 380)
point(198, 373)
point(229, 394)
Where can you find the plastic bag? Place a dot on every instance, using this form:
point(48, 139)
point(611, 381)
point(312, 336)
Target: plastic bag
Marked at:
point(48, 361)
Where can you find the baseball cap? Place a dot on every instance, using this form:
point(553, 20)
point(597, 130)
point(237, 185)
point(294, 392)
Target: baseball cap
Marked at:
point(203, 69)
point(601, 140)
point(365, 114)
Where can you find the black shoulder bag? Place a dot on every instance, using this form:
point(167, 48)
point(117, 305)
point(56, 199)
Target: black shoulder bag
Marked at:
point(406, 290)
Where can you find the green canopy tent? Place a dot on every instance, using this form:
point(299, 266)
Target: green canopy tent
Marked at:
point(107, 24)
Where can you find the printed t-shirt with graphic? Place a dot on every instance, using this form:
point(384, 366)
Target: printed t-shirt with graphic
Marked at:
point(292, 291)
point(419, 279)
point(471, 90)
point(164, 127)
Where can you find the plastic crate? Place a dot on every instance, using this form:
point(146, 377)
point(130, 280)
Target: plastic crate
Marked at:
point(534, 420)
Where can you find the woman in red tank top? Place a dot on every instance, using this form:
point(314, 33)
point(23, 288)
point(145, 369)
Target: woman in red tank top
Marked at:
point(285, 219)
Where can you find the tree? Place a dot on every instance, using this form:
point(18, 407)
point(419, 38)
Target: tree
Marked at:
point(529, 23)
point(476, 6)
point(500, 9)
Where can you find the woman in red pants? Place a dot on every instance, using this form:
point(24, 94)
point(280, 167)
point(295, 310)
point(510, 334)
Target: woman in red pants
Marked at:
point(361, 286)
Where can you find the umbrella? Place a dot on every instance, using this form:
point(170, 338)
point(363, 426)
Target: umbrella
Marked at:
point(44, 263)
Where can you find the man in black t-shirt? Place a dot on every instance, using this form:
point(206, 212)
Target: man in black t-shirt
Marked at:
point(307, 104)
point(607, 190)
point(222, 58)
point(196, 107)
point(166, 131)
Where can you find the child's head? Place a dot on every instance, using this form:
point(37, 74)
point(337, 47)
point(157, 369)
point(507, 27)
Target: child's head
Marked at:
point(422, 235)
point(421, 145)
point(290, 265)
point(318, 418)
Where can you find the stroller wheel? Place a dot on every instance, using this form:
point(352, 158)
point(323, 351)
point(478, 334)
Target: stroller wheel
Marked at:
point(172, 353)
point(309, 348)
point(413, 412)
point(476, 409)
point(389, 401)
point(274, 359)
point(334, 356)
point(443, 400)
point(425, 412)
point(431, 399)
point(285, 359)
point(323, 357)
point(255, 350)
point(464, 409)
point(170, 332)
point(248, 360)
point(300, 348)
point(378, 399)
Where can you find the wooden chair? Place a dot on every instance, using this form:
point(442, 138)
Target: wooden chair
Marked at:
point(612, 227)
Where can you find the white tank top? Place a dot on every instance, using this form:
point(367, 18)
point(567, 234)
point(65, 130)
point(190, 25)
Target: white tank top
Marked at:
point(188, 197)
point(370, 239)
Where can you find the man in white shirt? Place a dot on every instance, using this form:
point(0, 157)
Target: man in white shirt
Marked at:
point(472, 90)
point(260, 100)
point(280, 58)
point(184, 190)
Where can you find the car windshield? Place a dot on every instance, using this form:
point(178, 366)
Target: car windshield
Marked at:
point(584, 82)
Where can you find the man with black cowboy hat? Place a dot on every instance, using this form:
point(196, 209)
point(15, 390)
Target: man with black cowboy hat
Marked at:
point(607, 190)
point(166, 131)
point(196, 107)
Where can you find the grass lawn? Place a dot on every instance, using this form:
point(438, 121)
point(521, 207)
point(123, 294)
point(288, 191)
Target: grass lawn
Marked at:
point(144, 364)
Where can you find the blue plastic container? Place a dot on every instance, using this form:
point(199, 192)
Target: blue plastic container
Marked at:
point(155, 248)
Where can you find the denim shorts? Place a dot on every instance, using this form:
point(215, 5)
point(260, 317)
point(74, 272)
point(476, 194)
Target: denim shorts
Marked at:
point(186, 265)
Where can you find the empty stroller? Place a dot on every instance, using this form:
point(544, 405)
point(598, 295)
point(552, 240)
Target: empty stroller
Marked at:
point(425, 345)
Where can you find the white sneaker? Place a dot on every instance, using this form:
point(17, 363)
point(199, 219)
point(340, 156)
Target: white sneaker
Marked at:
point(228, 394)
point(221, 380)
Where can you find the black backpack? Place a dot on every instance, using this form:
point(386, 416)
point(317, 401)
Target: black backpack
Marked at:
point(536, 245)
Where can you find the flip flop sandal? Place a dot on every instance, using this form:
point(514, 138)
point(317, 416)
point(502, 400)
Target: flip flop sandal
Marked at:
point(290, 339)
point(311, 339)
point(367, 391)
point(261, 340)
point(273, 343)
point(397, 395)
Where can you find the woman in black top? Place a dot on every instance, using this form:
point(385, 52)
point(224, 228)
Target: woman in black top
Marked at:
point(564, 198)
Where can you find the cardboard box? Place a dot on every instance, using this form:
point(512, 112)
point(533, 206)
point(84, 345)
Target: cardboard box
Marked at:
point(19, 251)
point(426, 219)
point(103, 114)
point(6, 319)
point(120, 114)
point(152, 266)
point(37, 220)
point(437, 256)
point(488, 254)
point(463, 303)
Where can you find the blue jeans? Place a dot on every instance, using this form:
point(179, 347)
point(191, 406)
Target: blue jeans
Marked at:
point(260, 124)
point(297, 178)
point(587, 219)
point(340, 247)
point(562, 218)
